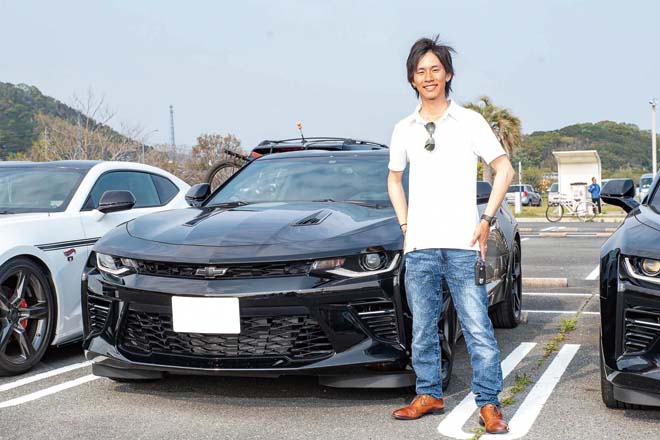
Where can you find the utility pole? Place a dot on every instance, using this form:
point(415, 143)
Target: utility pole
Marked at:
point(172, 126)
point(653, 102)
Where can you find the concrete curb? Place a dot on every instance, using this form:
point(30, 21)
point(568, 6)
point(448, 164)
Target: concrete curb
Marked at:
point(545, 282)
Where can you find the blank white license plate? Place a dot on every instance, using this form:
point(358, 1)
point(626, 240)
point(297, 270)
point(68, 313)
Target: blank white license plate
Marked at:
point(206, 315)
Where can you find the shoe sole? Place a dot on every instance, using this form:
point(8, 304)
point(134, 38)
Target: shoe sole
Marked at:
point(499, 431)
point(435, 411)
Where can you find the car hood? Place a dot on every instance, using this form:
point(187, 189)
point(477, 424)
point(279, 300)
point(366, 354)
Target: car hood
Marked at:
point(648, 217)
point(6, 219)
point(260, 224)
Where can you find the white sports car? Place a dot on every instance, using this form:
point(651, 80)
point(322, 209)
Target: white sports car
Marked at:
point(49, 222)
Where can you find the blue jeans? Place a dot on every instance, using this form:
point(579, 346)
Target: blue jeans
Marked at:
point(425, 270)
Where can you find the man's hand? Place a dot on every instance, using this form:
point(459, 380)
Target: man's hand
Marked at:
point(481, 234)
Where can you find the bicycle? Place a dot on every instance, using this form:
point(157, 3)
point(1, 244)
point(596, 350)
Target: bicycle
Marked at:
point(224, 169)
point(585, 211)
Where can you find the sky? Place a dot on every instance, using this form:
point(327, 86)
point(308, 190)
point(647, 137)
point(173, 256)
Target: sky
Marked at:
point(254, 68)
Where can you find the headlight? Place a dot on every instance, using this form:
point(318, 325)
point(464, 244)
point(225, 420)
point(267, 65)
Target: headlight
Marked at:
point(357, 266)
point(650, 267)
point(644, 269)
point(115, 265)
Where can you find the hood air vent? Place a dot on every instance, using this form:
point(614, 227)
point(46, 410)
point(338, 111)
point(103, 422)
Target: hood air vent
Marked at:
point(314, 219)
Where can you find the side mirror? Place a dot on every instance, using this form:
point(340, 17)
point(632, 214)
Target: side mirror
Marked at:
point(197, 194)
point(621, 193)
point(483, 192)
point(113, 201)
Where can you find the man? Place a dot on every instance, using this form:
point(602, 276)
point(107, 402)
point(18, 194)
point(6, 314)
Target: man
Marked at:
point(444, 235)
point(594, 189)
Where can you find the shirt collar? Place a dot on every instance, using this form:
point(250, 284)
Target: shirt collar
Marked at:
point(452, 111)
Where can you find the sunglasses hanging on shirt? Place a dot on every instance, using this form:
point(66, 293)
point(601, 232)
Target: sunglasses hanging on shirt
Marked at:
point(430, 143)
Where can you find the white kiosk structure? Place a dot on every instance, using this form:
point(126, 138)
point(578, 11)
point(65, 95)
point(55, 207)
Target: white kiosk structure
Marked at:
point(575, 170)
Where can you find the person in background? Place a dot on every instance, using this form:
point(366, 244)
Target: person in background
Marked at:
point(594, 189)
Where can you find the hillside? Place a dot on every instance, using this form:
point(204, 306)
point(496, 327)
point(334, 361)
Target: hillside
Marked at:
point(620, 146)
point(18, 106)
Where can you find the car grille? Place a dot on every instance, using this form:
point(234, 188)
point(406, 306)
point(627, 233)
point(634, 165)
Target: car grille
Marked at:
point(642, 328)
point(294, 337)
point(98, 311)
point(199, 271)
point(380, 318)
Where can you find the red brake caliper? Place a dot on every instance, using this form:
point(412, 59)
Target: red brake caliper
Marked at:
point(22, 305)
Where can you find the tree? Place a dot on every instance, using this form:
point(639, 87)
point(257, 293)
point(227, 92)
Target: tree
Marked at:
point(504, 124)
point(87, 137)
point(210, 148)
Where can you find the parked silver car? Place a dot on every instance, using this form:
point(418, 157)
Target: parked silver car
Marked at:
point(529, 195)
point(553, 194)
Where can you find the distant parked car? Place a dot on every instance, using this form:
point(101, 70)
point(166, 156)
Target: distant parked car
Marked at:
point(529, 195)
point(644, 184)
point(51, 214)
point(553, 194)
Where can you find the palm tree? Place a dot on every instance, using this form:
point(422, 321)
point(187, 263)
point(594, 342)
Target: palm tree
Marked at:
point(504, 124)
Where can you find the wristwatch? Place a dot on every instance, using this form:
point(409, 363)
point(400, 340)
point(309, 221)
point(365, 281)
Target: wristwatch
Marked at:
point(489, 219)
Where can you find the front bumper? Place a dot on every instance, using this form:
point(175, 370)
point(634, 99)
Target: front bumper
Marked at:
point(630, 323)
point(289, 325)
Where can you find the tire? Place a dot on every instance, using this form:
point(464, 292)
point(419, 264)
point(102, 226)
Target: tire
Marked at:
point(221, 171)
point(447, 333)
point(607, 390)
point(507, 314)
point(554, 213)
point(586, 211)
point(27, 315)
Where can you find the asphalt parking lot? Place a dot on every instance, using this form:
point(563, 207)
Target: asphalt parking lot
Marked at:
point(558, 395)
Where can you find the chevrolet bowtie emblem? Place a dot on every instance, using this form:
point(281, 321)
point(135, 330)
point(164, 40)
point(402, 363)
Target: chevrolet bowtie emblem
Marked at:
point(211, 272)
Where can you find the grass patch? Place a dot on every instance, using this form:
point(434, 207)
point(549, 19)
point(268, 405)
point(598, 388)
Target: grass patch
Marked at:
point(478, 432)
point(567, 325)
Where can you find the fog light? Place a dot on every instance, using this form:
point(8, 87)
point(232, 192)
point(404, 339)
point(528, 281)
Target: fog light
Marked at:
point(650, 267)
point(373, 261)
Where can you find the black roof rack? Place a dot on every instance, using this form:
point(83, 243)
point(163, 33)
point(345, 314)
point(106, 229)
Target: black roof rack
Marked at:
point(317, 141)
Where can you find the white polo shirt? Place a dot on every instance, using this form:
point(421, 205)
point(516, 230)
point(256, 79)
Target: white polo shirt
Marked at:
point(442, 205)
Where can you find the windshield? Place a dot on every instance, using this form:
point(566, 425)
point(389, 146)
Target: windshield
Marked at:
point(554, 187)
point(309, 179)
point(516, 188)
point(37, 189)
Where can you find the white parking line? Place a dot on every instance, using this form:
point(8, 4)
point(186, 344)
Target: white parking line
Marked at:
point(561, 312)
point(523, 239)
point(48, 391)
point(41, 376)
point(452, 424)
point(531, 407)
point(548, 229)
point(555, 294)
point(594, 275)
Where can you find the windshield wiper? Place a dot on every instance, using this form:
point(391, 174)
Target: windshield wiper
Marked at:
point(6, 212)
point(354, 202)
point(235, 204)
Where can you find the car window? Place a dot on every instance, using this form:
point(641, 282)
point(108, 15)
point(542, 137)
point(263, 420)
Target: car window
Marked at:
point(514, 188)
point(140, 184)
point(313, 178)
point(165, 188)
point(37, 189)
point(554, 187)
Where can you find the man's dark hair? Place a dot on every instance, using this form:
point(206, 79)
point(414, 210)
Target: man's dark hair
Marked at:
point(419, 49)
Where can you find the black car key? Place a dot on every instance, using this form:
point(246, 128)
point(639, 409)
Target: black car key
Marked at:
point(479, 272)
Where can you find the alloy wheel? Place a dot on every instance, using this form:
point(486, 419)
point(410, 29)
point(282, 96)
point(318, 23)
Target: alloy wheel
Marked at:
point(25, 310)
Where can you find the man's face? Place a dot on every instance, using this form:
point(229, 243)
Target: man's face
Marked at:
point(593, 180)
point(430, 77)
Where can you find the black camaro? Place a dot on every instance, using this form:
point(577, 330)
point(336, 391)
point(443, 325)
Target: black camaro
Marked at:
point(293, 266)
point(630, 300)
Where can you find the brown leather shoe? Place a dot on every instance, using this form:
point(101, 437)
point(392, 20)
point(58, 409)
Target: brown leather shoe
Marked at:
point(421, 405)
point(492, 418)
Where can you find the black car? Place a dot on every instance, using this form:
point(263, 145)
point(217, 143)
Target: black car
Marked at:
point(293, 266)
point(630, 300)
